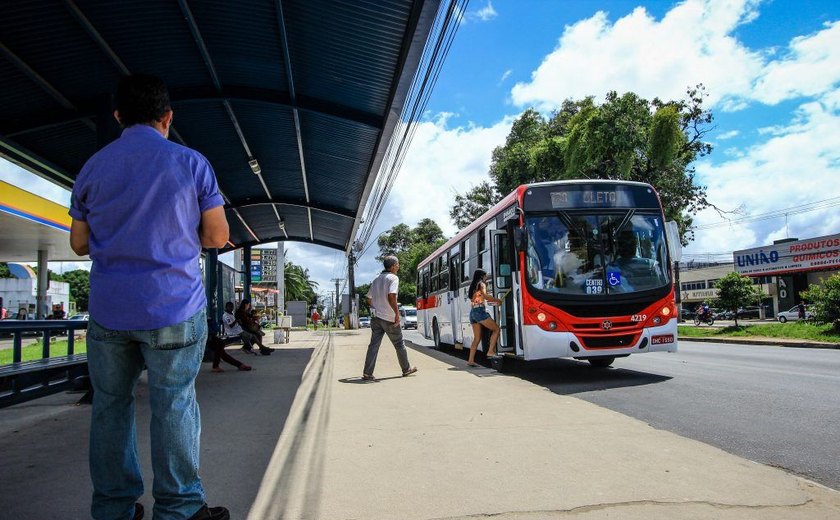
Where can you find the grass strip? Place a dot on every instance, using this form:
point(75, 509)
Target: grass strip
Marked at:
point(32, 351)
point(791, 331)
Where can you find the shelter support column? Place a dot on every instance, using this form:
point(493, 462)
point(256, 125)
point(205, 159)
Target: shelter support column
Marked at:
point(211, 284)
point(246, 272)
point(43, 284)
point(281, 282)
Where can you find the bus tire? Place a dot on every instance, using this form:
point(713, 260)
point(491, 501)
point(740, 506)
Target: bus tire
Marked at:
point(436, 335)
point(601, 362)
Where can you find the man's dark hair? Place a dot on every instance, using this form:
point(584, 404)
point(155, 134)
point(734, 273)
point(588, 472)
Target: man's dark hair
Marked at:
point(141, 99)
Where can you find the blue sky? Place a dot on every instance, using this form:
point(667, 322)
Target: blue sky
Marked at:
point(771, 70)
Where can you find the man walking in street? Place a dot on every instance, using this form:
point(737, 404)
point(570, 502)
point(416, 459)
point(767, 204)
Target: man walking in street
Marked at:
point(386, 318)
point(142, 208)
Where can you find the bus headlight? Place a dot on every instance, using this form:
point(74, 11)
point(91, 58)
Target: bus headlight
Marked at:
point(666, 311)
point(541, 316)
point(552, 325)
point(657, 320)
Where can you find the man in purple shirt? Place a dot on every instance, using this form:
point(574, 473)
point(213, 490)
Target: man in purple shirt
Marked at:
point(142, 208)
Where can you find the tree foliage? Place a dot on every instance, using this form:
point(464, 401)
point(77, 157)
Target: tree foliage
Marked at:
point(4, 270)
point(473, 204)
point(410, 246)
point(736, 291)
point(624, 138)
point(79, 281)
point(299, 287)
point(825, 301)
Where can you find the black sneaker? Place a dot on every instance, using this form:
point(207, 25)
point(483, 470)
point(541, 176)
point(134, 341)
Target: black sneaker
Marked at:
point(265, 351)
point(211, 513)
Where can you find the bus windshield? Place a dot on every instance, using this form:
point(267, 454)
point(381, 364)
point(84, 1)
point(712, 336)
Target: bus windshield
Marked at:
point(596, 254)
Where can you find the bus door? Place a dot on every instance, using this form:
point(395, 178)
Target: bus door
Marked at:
point(456, 305)
point(502, 264)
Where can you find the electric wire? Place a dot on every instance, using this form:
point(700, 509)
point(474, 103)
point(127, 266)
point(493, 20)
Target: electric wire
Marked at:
point(445, 27)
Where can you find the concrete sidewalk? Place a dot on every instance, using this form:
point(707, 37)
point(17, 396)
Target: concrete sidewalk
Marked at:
point(446, 443)
point(452, 442)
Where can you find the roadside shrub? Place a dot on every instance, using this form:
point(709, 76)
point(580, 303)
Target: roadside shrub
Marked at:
point(825, 301)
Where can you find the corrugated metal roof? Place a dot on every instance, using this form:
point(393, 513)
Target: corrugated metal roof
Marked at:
point(311, 89)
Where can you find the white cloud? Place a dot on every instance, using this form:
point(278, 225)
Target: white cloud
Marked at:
point(797, 164)
point(484, 14)
point(505, 76)
point(17, 176)
point(811, 67)
point(693, 43)
point(728, 135)
point(690, 45)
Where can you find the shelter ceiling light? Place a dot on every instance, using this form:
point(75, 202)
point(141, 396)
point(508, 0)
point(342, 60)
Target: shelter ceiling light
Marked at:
point(281, 225)
point(255, 166)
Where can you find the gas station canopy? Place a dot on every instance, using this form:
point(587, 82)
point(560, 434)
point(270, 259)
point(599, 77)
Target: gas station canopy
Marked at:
point(293, 102)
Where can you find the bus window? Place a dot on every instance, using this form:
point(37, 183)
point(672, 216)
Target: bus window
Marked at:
point(463, 262)
point(596, 254)
point(482, 247)
point(455, 272)
point(444, 272)
point(434, 274)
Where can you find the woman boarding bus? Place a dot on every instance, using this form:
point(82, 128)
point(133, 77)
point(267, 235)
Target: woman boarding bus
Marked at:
point(582, 270)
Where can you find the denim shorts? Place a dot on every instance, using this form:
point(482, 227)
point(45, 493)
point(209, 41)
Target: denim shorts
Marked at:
point(479, 314)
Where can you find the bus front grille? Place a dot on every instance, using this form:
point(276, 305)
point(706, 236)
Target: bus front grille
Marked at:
point(620, 341)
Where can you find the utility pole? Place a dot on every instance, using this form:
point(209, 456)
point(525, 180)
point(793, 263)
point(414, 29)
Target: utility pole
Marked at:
point(337, 299)
point(351, 282)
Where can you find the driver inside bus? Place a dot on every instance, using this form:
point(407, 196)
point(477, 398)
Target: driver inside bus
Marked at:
point(627, 268)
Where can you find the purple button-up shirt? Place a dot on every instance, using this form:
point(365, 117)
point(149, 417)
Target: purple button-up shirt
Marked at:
point(142, 197)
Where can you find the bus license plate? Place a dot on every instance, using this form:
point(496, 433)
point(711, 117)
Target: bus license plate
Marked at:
point(661, 340)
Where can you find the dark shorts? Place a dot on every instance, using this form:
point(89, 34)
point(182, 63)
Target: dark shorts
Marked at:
point(479, 314)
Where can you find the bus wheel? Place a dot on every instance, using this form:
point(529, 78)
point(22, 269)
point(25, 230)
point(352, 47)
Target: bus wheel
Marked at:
point(601, 362)
point(436, 335)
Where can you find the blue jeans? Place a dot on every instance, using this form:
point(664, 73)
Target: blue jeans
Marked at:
point(172, 356)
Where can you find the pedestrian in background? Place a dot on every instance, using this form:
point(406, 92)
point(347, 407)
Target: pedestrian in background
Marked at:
point(801, 310)
point(315, 318)
point(143, 207)
point(386, 319)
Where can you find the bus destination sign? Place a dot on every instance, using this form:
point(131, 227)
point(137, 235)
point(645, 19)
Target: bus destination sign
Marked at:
point(600, 195)
point(589, 198)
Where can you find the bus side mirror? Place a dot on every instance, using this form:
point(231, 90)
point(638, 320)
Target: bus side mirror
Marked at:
point(520, 241)
point(672, 232)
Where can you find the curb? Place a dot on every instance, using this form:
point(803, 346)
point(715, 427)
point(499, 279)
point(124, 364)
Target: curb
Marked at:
point(758, 341)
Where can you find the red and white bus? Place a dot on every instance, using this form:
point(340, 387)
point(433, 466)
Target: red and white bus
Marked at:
point(583, 269)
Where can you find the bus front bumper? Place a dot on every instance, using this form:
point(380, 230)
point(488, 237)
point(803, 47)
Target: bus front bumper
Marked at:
point(543, 344)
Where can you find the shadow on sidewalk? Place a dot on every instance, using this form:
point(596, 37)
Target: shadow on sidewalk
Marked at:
point(44, 445)
point(561, 376)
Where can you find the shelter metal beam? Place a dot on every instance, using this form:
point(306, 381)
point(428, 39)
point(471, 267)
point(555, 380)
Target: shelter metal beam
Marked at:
point(41, 82)
point(284, 43)
point(184, 97)
point(339, 212)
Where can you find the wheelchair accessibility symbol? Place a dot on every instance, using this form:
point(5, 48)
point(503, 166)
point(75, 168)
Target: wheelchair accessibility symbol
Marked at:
point(613, 278)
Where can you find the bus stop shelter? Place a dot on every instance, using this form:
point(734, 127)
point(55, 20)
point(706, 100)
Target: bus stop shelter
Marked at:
point(299, 105)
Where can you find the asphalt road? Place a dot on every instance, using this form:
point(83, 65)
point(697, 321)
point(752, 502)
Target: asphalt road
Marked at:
point(775, 405)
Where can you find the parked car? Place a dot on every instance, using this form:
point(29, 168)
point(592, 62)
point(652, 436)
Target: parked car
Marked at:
point(793, 314)
point(81, 316)
point(408, 317)
point(364, 322)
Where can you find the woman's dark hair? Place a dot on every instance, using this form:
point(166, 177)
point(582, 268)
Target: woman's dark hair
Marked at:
point(478, 276)
point(141, 99)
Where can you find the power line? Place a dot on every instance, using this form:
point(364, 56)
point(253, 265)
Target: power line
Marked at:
point(795, 210)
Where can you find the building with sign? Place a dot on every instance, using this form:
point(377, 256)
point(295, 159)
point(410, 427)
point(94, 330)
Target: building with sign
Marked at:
point(783, 270)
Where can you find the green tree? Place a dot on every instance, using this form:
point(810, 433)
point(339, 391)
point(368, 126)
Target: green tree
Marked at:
point(4, 270)
point(624, 138)
point(362, 291)
point(473, 204)
point(825, 301)
point(79, 280)
point(299, 287)
point(736, 291)
point(410, 246)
